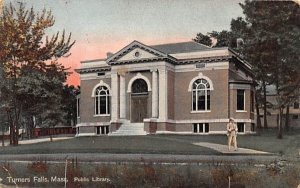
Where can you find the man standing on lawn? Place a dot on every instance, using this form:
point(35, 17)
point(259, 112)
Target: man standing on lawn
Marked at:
point(232, 133)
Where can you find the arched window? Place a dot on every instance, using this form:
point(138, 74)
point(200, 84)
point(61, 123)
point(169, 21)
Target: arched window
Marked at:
point(139, 86)
point(102, 101)
point(201, 95)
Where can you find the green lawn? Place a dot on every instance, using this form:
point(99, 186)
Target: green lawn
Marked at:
point(164, 144)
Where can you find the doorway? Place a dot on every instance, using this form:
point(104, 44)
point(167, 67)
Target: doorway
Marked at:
point(139, 101)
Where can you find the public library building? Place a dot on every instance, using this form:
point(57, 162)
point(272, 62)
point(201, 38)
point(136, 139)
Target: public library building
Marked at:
point(180, 88)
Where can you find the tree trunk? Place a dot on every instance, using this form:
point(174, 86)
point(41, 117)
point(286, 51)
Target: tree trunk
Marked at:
point(265, 105)
point(11, 127)
point(2, 136)
point(258, 121)
point(280, 135)
point(287, 118)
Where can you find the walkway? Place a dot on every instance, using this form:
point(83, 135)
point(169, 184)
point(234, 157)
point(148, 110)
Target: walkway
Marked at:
point(38, 140)
point(224, 149)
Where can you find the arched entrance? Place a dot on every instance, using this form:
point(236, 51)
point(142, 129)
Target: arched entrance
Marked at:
point(139, 98)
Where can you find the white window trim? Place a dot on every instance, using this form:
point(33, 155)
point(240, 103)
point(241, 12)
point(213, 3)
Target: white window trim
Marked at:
point(244, 127)
point(195, 90)
point(101, 83)
point(101, 133)
point(101, 115)
point(200, 76)
point(203, 128)
point(138, 76)
point(241, 110)
point(199, 112)
point(244, 110)
point(107, 101)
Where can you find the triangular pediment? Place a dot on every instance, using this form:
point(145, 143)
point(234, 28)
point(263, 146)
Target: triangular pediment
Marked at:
point(135, 51)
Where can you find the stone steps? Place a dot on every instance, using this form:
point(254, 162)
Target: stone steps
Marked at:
point(130, 129)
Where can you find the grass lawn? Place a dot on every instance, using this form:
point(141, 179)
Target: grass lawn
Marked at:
point(163, 144)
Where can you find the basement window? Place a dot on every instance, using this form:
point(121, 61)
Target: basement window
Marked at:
point(201, 127)
point(101, 130)
point(241, 127)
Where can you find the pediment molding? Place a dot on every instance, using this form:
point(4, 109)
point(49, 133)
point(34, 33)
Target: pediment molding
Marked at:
point(131, 47)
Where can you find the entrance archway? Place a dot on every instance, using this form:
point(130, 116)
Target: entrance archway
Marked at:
point(139, 100)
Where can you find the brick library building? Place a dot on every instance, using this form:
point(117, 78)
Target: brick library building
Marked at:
point(177, 88)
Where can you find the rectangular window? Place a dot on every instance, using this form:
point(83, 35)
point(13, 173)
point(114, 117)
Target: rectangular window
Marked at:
point(252, 101)
point(103, 105)
point(194, 101)
point(296, 105)
point(295, 116)
point(240, 99)
point(102, 130)
point(252, 127)
point(241, 127)
point(201, 127)
point(78, 107)
point(97, 105)
point(208, 100)
point(201, 100)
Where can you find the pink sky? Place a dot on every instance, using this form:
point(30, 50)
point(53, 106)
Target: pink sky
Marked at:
point(87, 51)
point(101, 26)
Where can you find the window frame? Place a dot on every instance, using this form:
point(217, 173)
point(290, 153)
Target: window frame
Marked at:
point(204, 126)
point(195, 95)
point(102, 130)
point(244, 126)
point(97, 101)
point(244, 100)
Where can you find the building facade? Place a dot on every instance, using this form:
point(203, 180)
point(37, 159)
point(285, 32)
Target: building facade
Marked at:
point(169, 88)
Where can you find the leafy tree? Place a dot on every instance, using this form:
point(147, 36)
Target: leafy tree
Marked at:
point(271, 44)
point(25, 48)
point(203, 39)
point(224, 38)
point(69, 102)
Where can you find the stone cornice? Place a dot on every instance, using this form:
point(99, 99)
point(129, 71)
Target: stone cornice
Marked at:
point(135, 44)
point(203, 60)
point(90, 70)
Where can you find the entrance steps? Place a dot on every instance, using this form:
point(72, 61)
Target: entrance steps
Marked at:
point(129, 129)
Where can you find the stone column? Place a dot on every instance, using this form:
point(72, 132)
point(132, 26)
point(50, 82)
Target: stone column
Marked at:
point(122, 98)
point(154, 94)
point(114, 97)
point(163, 99)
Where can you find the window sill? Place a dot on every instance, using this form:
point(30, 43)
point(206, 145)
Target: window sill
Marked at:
point(102, 115)
point(241, 111)
point(196, 112)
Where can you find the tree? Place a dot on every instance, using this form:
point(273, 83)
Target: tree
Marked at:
point(24, 47)
point(203, 39)
point(224, 38)
point(271, 44)
point(69, 102)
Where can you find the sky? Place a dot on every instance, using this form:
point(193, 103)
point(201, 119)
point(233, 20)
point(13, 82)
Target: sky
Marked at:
point(101, 26)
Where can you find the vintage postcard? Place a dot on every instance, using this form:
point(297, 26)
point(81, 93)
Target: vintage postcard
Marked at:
point(140, 93)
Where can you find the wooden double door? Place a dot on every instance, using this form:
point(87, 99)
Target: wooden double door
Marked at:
point(139, 107)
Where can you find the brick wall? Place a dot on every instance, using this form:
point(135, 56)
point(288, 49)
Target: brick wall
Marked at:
point(218, 96)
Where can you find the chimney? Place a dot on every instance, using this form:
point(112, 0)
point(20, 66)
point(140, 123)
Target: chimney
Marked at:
point(109, 54)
